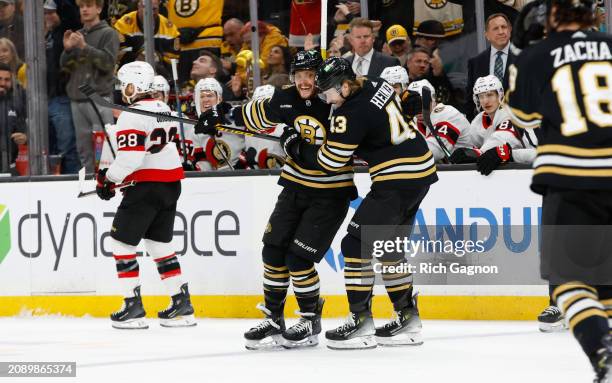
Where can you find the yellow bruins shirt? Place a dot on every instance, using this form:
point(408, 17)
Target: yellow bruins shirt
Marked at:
point(201, 16)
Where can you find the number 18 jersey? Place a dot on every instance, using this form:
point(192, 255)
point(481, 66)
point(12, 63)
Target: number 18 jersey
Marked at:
point(563, 85)
point(145, 148)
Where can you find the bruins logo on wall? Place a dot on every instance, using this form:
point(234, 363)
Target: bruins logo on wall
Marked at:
point(310, 129)
point(186, 8)
point(436, 4)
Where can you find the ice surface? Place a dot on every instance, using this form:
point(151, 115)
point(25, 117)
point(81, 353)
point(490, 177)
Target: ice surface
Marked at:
point(454, 351)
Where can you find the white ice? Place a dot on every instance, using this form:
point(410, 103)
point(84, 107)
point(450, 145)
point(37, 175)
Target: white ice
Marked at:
point(454, 351)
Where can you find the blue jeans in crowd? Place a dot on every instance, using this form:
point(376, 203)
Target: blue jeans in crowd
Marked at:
point(60, 117)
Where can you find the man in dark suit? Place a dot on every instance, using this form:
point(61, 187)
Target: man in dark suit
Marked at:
point(365, 60)
point(495, 60)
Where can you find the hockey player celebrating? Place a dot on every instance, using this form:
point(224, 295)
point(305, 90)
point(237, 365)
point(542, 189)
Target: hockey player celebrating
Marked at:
point(368, 121)
point(451, 127)
point(563, 85)
point(147, 210)
point(308, 212)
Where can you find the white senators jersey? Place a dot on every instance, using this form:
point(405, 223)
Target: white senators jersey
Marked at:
point(483, 126)
point(264, 154)
point(523, 142)
point(145, 148)
point(453, 129)
point(106, 157)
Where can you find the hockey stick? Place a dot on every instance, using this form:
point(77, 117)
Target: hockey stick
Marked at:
point(95, 108)
point(426, 95)
point(90, 92)
point(92, 192)
point(178, 108)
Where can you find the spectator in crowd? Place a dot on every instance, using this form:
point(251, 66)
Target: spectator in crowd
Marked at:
point(12, 119)
point(199, 25)
point(305, 22)
point(428, 35)
point(422, 65)
point(494, 60)
point(269, 36)
point(335, 47)
point(279, 61)
point(232, 42)
point(89, 57)
point(209, 65)
point(8, 55)
point(448, 14)
point(397, 42)
point(365, 60)
point(61, 127)
point(115, 9)
point(11, 25)
point(131, 38)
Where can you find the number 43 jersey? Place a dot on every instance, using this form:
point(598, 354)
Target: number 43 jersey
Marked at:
point(370, 124)
point(563, 85)
point(145, 148)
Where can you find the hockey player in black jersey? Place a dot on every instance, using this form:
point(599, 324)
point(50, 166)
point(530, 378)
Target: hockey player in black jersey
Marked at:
point(308, 213)
point(563, 86)
point(368, 122)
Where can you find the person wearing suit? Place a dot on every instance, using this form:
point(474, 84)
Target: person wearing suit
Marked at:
point(495, 60)
point(365, 60)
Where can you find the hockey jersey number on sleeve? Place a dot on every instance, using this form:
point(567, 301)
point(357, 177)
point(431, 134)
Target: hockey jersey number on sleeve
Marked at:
point(131, 140)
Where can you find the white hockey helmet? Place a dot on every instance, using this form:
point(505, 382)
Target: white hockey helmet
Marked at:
point(395, 75)
point(160, 84)
point(263, 91)
point(204, 85)
point(487, 84)
point(140, 75)
point(417, 86)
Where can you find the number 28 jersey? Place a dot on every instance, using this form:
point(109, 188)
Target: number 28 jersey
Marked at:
point(563, 85)
point(145, 148)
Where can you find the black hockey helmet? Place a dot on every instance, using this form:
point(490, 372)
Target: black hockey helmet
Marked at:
point(333, 72)
point(305, 60)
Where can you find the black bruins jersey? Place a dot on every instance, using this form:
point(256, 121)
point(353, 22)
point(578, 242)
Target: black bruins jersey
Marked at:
point(564, 85)
point(371, 125)
point(310, 118)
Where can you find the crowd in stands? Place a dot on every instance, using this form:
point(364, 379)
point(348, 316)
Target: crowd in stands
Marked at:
point(88, 40)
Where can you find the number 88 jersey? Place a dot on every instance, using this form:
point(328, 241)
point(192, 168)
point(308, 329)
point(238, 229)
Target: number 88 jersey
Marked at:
point(145, 151)
point(563, 85)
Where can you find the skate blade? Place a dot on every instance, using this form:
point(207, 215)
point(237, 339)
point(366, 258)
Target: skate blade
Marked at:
point(131, 324)
point(180, 321)
point(274, 342)
point(402, 339)
point(311, 341)
point(552, 327)
point(358, 343)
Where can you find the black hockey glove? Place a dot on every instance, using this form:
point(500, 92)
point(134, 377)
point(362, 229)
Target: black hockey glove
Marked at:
point(208, 120)
point(492, 158)
point(105, 189)
point(290, 141)
point(188, 166)
point(464, 156)
point(412, 104)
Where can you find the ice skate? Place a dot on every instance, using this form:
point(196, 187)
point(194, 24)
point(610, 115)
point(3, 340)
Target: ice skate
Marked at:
point(403, 330)
point(180, 311)
point(602, 362)
point(306, 332)
point(268, 333)
point(131, 315)
point(551, 320)
point(356, 333)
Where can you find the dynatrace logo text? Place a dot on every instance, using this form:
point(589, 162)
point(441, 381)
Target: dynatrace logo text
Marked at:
point(5, 232)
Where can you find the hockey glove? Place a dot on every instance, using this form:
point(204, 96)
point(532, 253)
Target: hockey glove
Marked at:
point(209, 119)
point(492, 158)
point(290, 141)
point(412, 104)
point(188, 166)
point(464, 156)
point(105, 189)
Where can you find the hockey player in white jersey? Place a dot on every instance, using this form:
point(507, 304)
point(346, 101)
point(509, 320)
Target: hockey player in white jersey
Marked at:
point(410, 100)
point(146, 155)
point(260, 153)
point(208, 93)
point(161, 89)
point(449, 124)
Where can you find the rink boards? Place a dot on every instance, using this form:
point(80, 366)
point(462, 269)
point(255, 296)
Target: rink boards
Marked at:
point(54, 255)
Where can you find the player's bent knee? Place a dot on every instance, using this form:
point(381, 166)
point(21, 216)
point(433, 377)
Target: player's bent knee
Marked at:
point(273, 255)
point(351, 246)
point(120, 248)
point(158, 249)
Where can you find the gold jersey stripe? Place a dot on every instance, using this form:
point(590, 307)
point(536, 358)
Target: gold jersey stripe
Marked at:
point(571, 286)
point(356, 260)
point(260, 105)
point(358, 273)
point(405, 160)
point(315, 185)
point(303, 272)
point(398, 288)
point(282, 268)
point(405, 176)
point(358, 288)
point(574, 151)
point(606, 302)
point(332, 156)
point(585, 315)
point(315, 172)
point(284, 275)
point(340, 145)
point(574, 298)
point(577, 172)
point(307, 282)
point(526, 117)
